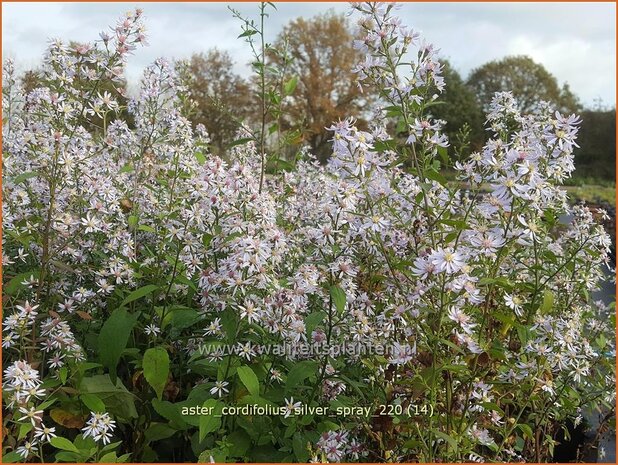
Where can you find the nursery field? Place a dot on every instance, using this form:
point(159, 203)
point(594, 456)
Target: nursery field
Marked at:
point(389, 303)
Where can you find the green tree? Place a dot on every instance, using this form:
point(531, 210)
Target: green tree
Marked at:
point(529, 81)
point(459, 107)
point(596, 156)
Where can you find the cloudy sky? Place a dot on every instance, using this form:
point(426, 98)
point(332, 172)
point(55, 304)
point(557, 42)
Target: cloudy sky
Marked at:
point(576, 42)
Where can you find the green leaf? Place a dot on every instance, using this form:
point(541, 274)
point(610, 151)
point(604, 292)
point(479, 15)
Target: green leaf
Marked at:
point(24, 176)
point(83, 443)
point(327, 425)
point(118, 401)
point(339, 298)
point(210, 423)
point(548, 301)
point(249, 379)
point(146, 228)
point(242, 141)
point(93, 402)
point(158, 431)
point(184, 317)
point(47, 404)
point(206, 239)
point(300, 372)
point(452, 442)
point(255, 400)
point(63, 444)
point(156, 366)
point(314, 319)
point(290, 86)
point(228, 323)
point(113, 338)
point(300, 448)
point(110, 446)
point(443, 152)
point(247, 33)
point(132, 221)
point(72, 457)
point(15, 284)
point(171, 412)
point(139, 293)
point(201, 159)
point(435, 176)
point(24, 430)
point(393, 111)
point(218, 455)
point(526, 430)
point(110, 457)
point(63, 372)
point(240, 443)
point(492, 406)
point(12, 457)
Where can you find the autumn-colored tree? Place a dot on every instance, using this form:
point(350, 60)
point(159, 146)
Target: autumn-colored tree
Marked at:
point(529, 81)
point(30, 80)
point(321, 57)
point(222, 98)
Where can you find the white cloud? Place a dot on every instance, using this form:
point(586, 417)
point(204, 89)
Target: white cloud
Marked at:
point(574, 41)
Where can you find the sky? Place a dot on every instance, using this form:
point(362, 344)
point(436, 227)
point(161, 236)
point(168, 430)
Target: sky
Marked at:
point(576, 42)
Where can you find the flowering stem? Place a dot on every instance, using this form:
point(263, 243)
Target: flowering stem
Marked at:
point(263, 94)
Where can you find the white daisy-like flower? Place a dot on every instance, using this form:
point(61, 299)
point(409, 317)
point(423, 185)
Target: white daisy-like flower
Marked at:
point(514, 302)
point(100, 427)
point(26, 449)
point(44, 433)
point(447, 260)
point(219, 388)
point(152, 330)
point(291, 407)
point(31, 414)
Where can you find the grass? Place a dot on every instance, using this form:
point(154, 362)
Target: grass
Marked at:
point(592, 193)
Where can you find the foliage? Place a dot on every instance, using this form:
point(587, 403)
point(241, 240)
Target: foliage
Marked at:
point(459, 107)
point(597, 140)
point(365, 310)
point(530, 83)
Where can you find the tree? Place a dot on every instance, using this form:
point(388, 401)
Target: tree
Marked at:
point(596, 157)
point(458, 108)
point(322, 57)
point(222, 98)
point(530, 83)
point(30, 80)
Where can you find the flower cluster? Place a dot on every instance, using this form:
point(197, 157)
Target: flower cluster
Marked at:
point(336, 445)
point(22, 382)
point(100, 427)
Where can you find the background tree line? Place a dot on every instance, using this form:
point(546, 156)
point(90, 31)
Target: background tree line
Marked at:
point(318, 59)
